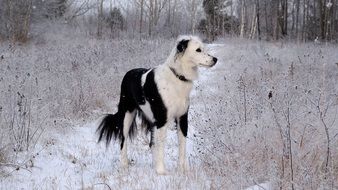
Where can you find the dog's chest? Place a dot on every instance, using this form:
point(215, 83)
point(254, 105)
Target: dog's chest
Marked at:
point(175, 96)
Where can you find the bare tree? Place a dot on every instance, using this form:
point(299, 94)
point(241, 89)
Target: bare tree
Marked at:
point(334, 19)
point(152, 10)
point(17, 16)
point(141, 5)
point(100, 18)
point(253, 23)
point(305, 11)
point(267, 24)
point(297, 18)
point(141, 14)
point(155, 8)
point(284, 17)
point(17, 19)
point(258, 19)
point(243, 15)
point(192, 6)
point(75, 10)
point(275, 18)
point(174, 29)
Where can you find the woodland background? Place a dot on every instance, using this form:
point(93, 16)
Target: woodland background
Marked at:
point(300, 20)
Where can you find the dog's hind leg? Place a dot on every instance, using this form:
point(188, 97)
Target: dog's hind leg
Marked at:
point(127, 123)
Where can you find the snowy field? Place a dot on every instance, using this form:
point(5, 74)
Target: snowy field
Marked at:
point(264, 116)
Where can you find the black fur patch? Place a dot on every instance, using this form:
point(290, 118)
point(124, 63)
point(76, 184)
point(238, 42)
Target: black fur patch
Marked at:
point(182, 46)
point(155, 100)
point(184, 124)
point(132, 96)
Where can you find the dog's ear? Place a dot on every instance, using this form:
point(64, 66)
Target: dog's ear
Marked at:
point(182, 45)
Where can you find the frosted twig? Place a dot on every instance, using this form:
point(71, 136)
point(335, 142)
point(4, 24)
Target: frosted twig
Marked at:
point(103, 184)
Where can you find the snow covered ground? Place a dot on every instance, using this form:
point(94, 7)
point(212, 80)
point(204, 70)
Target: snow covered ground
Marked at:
point(237, 135)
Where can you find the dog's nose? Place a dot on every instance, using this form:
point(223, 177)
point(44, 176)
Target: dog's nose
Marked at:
point(214, 59)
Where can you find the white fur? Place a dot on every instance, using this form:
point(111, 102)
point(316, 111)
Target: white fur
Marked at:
point(144, 77)
point(146, 107)
point(158, 151)
point(175, 93)
point(183, 165)
point(147, 111)
point(128, 119)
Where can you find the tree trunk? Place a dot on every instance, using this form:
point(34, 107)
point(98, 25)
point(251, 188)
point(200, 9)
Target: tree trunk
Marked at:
point(253, 24)
point(110, 11)
point(329, 19)
point(173, 26)
point(23, 37)
point(322, 18)
point(307, 19)
point(243, 15)
point(293, 16)
point(275, 19)
point(304, 22)
point(231, 22)
point(150, 17)
point(193, 7)
point(100, 19)
point(297, 18)
point(266, 21)
point(156, 13)
point(258, 22)
point(284, 17)
point(169, 13)
point(141, 15)
point(333, 18)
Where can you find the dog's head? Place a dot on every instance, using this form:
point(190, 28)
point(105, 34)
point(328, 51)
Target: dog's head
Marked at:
point(191, 51)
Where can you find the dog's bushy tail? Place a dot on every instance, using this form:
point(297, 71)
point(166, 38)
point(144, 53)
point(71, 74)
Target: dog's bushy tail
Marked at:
point(111, 126)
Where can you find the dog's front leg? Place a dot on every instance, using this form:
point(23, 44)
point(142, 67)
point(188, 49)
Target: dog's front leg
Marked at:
point(182, 131)
point(158, 151)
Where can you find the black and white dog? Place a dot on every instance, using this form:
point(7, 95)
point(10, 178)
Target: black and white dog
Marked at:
point(159, 95)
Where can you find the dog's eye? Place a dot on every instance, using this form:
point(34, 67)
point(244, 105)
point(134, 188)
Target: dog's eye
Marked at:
point(199, 50)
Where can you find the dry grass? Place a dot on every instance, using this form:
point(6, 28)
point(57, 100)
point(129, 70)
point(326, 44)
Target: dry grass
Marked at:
point(249, 136)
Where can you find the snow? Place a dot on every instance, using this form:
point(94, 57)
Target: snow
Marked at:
point(74, 160)
point(262, 186)
point(226, 148)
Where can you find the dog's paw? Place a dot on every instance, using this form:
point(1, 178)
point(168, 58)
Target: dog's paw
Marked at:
point(160, 170)
point(124, 163)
